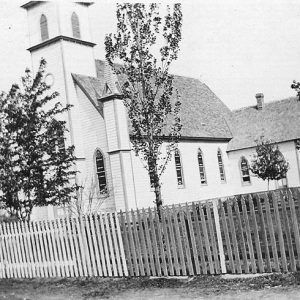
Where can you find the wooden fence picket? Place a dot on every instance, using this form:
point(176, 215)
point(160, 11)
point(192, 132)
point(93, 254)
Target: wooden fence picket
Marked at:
point(15, 249)
point(264, 234)
point(248, 235)
point(287, 231)
point(167, 244)
point(182, 262)
point(106, 247)
point(161, 244)
point(227, 238)
point(291, 198)
point(173, 245)
point(100, 243)
point(271, 231)
point(199, 241)
point(9, 252)
point(137, 245)
point(126, 244)
point(122, 253)
point(193, 240)
point(207, 244)
point(149, 244)
point(219, 236)
point(90, 249)
point(241, 237)
point(256, 235)
point(236, 248)
point(143, 244)
point(36, 261)
point(212, 238)
point(155, 245)
point(115, 243)
point(41, 249)
point(2, 255)
point(29, 247)
point(279, 232)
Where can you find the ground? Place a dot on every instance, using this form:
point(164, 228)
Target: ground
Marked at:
point(274, 286)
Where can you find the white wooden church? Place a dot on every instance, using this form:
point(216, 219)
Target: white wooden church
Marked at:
point(215, 149)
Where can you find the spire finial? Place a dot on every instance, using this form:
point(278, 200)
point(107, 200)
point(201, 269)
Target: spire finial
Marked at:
point(111, 86)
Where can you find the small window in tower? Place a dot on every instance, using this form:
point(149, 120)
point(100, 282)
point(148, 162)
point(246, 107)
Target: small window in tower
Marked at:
point(178, 166)
point(221, 166)
point(245, 173)
point(44, 28)
point(201, 168)
point(100, 171)
point(75, 26)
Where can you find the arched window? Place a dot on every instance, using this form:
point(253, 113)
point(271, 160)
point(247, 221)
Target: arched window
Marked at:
point(245, 174)
point(178, 166)
point(100, 171)
point(44, 28)
point(201, 167)
point(221, 166)
point(75, 25)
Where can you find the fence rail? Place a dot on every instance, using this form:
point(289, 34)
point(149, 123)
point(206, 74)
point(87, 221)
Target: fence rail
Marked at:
point(251, 233)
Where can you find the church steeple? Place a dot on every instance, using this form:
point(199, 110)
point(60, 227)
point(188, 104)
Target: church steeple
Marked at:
point(57, 20)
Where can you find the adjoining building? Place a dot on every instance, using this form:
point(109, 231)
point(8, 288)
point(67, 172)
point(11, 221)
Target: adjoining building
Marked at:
point(215, 149)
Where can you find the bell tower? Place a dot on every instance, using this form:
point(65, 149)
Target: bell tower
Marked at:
point(59, 31)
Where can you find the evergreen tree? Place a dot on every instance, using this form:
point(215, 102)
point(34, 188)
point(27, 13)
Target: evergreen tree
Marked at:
point(35, 165)
point(149, 94)
point(268, 162)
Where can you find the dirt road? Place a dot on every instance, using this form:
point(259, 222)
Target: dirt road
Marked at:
point(276, 286)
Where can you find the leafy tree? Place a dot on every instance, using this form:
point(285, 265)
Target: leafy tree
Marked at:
point(147, 86)
point(268, 162)
point(35, 165)
point(296, 86)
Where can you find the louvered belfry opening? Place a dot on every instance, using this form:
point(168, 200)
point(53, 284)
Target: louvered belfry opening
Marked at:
point(75, 26)
point(44, 28)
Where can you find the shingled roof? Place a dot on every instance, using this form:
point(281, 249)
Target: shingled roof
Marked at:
point(277, 121)
point(203, 114)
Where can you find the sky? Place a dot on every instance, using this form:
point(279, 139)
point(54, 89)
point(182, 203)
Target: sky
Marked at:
point(238, 48)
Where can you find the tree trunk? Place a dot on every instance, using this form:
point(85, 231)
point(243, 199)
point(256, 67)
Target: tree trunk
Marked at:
point(153, 173)
point(158, 200)
point(268, 184)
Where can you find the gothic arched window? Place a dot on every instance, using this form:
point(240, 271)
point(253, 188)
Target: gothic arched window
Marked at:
point(221, 166)
point(100, 171)
point(245, 174)
point(44, 28)
point(75, 26)
point(178, 167)
point(201, 167)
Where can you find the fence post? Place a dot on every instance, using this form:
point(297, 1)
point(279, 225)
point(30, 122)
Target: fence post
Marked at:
point(219, 236)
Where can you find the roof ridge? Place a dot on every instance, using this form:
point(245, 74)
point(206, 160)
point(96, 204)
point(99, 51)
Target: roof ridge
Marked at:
point(266, 103)
point(175, 75)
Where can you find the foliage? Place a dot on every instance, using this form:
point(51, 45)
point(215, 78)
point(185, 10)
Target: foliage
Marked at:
point(268, 162)
point(296, 86)
point(149, 94)
point(89, 199)
point(35, 165)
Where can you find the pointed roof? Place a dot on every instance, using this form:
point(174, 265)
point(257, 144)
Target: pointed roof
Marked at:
point(203, 115)
point(111, 85)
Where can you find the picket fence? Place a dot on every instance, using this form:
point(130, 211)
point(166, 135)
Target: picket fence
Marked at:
point(86, 246)
point(251, 233)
